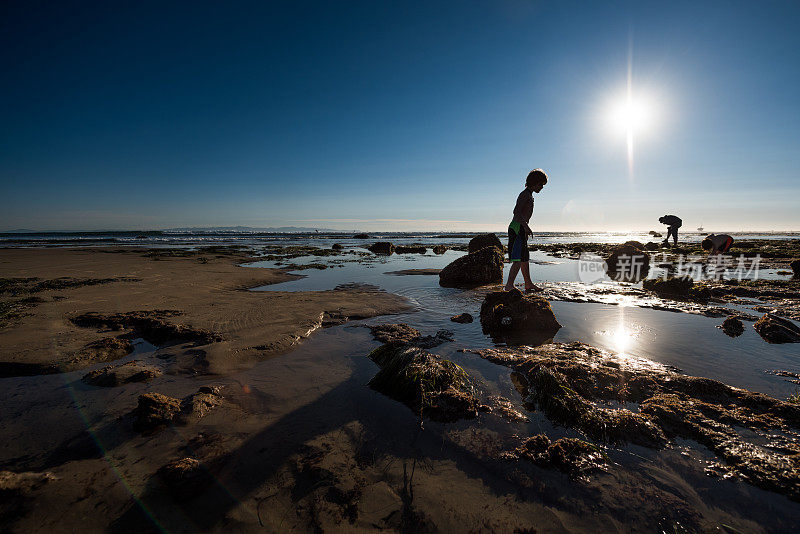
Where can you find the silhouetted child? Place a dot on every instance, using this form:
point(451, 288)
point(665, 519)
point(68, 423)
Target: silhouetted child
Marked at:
point(673, 223)
point(518, 231)
point(717, 244)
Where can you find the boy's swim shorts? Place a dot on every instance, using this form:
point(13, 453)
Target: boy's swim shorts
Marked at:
point(517, 243)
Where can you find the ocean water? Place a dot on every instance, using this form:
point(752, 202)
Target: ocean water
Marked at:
point(325, 239)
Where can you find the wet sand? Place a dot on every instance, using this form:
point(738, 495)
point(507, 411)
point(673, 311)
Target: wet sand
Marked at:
point(295, 440)
point(206, 291)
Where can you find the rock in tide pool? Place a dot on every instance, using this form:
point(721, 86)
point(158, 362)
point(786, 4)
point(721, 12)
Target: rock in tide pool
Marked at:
point(361, 236)
point(732, 326)
point(476, 269)
point(628, 262)
point(439, 249)
point(428, 384)
point(681, 287)
point(410, 249)
point(776, 329)
point(485, 240)
point(795, 265)
point(402, 334)
point(462, 318)
point(116, 375)
point(381, 247)
point(528, 317)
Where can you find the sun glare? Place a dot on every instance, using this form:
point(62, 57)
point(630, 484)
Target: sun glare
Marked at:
point(630, 116)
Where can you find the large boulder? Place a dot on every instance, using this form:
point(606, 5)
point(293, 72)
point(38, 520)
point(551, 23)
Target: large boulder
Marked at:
point(439, 249)
point(776, 329)
point(628, 262)
point(381, 247)
point(475, 269)
point(795, 265)
point(526, 318)
point(485, 240)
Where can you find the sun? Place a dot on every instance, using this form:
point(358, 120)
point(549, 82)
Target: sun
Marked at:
point(630, 116)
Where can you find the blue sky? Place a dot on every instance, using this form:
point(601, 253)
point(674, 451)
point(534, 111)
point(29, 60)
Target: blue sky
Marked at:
point(397, 115)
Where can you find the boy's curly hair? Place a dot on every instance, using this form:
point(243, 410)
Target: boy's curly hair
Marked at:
point(536, 177)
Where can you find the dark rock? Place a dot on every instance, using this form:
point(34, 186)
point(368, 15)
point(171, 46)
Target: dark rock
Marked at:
point(514, 313)
point(155, 411)
point(439, 249)
point(478, 268)
point(336, 246)
point(462, 318)
point(650, 245)
point(381, 247)
point(678, 287)
point(655, 234)
point(573, 383)
point(361, 236)
point(485, 240)
point(776, 329)
point(396, 333)
point(116, 375)
point(795, 265)
point(628, 262)
point(21, 483)
point(732, 326)
point(402, 334)
point(17, 492)
point(107, 349)
point(185, 478)
point(403, 249)
point(424, 382)
point(570, 455)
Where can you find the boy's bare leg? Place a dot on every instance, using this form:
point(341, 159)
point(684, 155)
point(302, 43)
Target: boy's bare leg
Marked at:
point(512, 274)
point(526, 275)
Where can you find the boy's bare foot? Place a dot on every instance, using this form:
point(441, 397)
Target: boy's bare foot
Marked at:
point(533, 289)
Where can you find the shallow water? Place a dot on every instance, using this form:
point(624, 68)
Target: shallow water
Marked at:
point(689, 342)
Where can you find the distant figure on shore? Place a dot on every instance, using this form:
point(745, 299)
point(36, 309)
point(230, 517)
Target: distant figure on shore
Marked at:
point(518, 231)
point(717, 244)
point(673, 223)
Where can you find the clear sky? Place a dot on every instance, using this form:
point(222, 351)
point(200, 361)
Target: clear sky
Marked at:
point(397, 115)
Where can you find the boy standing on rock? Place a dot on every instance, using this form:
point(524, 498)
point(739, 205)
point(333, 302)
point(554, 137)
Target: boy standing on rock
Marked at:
point(518, 231)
